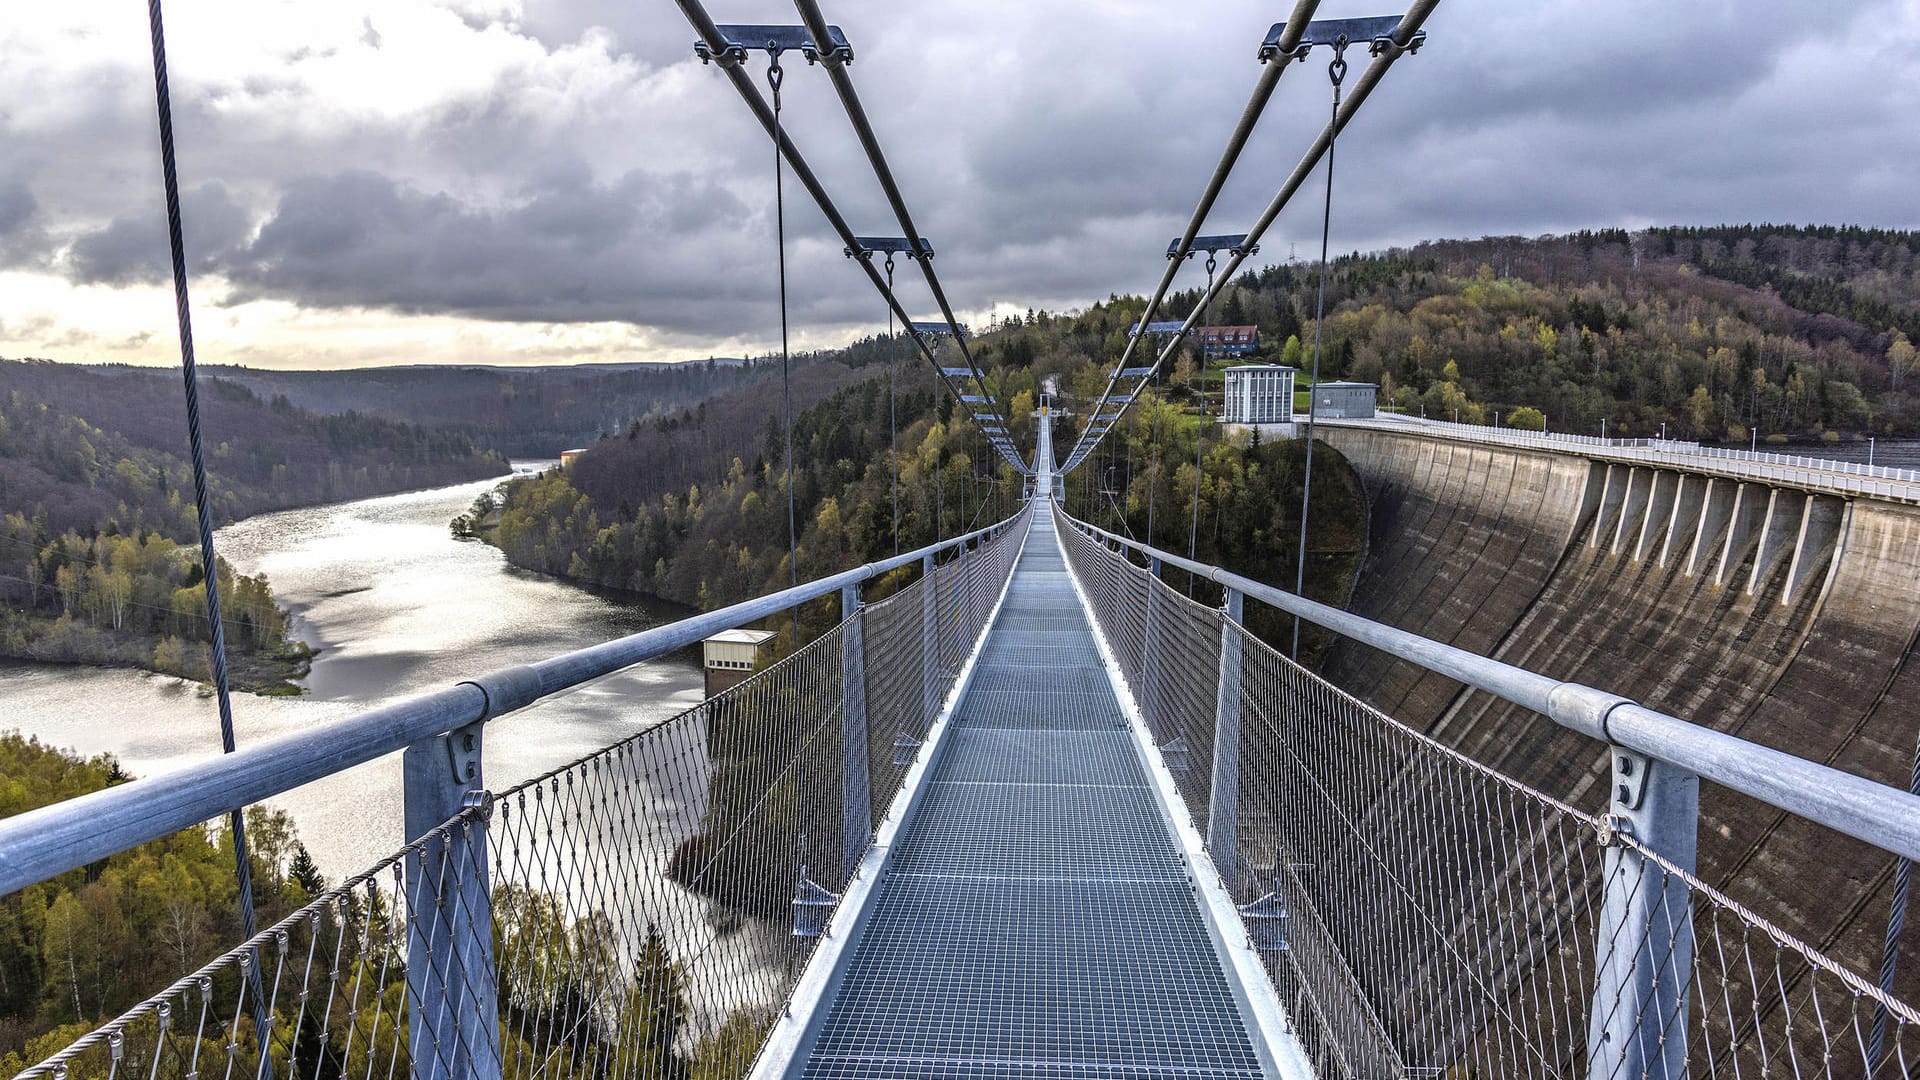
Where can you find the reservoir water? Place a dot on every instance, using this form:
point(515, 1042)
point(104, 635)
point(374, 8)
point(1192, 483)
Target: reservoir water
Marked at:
point(396, 606)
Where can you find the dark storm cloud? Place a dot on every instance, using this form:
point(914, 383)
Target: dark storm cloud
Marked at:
point(1048, 149)
point(573, 251)
point(24, 244)
point(133, 248)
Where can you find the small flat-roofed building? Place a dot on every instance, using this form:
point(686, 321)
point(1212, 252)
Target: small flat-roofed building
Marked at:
point(567, 456)
point(1232, 340)
point(1345, 400)
point(730, 656)
point(1259, 394)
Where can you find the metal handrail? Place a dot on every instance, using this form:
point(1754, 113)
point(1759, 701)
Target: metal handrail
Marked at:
point(1884, 816)
point(52, 840)
point(1814, 474)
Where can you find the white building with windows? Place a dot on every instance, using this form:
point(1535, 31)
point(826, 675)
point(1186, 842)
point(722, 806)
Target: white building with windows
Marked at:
point(1259, 394)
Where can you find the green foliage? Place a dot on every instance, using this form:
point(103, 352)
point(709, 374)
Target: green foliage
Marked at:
point(80, 948)
point(1141, 483)
point(1527, 418)
point(136, 600)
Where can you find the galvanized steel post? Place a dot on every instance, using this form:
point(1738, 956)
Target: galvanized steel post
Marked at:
point(1223, 808)
point(1638, 1022)
point(929, 646)
point(1150, 661)
point(856, 797)
point(452, 980)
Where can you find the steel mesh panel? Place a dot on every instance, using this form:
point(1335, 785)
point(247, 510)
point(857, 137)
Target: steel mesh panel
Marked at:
point(1036, 919)
point(977, 978)
point(626, 916)
point(1444, 919)
point(1050, 712)
point(1003, 755)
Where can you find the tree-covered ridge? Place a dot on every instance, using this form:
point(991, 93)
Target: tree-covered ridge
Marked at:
point(80, 948)
point(107, 451)
point(693, 507)
point(97, 521)
point(525, 412)
point(1562, 332)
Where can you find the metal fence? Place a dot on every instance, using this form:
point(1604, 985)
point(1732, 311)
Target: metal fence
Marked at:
point(1817, 474)
point(641, 912)
point(1423, 915)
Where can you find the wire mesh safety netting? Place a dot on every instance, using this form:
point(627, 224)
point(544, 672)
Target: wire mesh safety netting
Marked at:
point(1423, 915)
point(642, 912)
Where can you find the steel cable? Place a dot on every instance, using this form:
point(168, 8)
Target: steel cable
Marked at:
point(857, 115)
point(1896, 925)
point(1403, 37)
point(1337, 71)
point(717, 44)
point(1236, 142)
point(209, 562)
point(775, 76)
point(1200, 434)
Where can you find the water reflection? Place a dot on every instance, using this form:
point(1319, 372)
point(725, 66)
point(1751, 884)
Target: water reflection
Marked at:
point(396, 606)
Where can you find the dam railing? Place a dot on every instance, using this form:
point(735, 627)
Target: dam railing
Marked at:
point(1813, 474)
point(653, 899)
point(1424, 915)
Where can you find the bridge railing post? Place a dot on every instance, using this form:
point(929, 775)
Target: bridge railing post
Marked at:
point(1223, 804)
point(856, 793)
point(929, 645)
point(1637, 1025)
point(452, 977)
point(1150, 662)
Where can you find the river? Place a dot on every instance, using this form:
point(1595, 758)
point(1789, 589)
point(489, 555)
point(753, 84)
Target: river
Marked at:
point(394, 605)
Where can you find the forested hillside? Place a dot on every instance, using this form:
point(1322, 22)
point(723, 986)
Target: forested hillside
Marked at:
point(1713, 331)
point(692, 506)
point(108, 450)
point(1718, 333)
point(97, 522)
point(79, 949)
point(522, 412)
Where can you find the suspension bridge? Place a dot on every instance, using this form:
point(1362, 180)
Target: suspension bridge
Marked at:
point(1027, 810)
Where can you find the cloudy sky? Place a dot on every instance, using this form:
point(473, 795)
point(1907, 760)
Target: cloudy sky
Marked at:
point(550, 181)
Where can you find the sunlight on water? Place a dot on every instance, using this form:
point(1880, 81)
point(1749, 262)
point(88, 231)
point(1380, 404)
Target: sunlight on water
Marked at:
point(396, 606)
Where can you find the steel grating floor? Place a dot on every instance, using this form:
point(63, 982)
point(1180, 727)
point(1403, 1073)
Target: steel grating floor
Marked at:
point(1036, 919)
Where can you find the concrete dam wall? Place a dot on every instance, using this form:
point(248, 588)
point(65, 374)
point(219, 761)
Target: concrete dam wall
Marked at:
point(1785, 617)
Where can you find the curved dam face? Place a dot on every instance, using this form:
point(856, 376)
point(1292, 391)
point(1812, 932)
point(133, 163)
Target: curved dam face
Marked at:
point(1784, 617)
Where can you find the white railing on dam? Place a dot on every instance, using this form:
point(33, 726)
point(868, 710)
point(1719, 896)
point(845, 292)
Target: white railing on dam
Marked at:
point(1813, 474)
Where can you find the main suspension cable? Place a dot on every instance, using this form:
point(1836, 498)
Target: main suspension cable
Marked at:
point(836, 65)
point(1270, 73)
point(1403, 38)
point(1337, 72)
point(713, 45)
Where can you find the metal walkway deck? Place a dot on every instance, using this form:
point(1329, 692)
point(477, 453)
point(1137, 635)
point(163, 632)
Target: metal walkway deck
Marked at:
point(1036, 918)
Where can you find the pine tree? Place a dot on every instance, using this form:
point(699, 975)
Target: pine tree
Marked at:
point(654, 1012)
point(304, 872)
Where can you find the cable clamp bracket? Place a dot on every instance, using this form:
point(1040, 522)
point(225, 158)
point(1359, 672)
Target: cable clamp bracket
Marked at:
point(1234, 244)
point(865, 247)
point(1377, 31)
point(739, 39)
